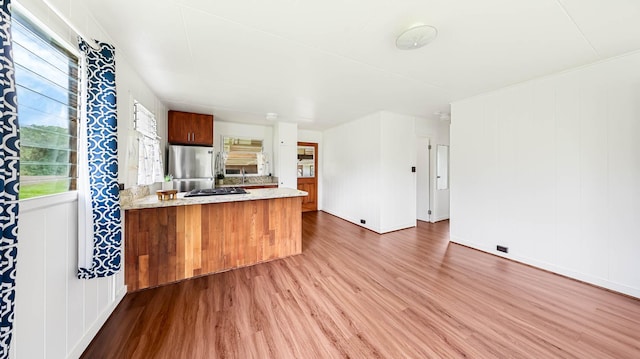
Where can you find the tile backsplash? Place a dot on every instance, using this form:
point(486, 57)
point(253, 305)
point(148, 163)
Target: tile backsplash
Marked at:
point(250, 180)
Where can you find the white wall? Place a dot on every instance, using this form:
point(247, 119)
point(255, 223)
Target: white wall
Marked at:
point(551, 169)
point(130, 88)
point(352, 171)
point(398, 183)
point(56, 314)
point(315, 137)
point(367, 171)
point(285, 153)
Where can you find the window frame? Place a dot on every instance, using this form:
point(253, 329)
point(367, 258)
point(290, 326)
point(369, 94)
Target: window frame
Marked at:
point(46, 34)
point(226, 154)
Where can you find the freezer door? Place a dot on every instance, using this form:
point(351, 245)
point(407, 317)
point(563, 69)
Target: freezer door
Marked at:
point(191, 162)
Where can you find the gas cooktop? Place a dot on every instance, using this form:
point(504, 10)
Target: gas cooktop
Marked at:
point(215, 191)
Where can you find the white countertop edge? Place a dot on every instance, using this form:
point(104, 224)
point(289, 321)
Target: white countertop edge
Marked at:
point(251, 195)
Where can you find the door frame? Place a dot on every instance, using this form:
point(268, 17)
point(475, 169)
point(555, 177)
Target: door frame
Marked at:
point(315, 172)
point(420, 142)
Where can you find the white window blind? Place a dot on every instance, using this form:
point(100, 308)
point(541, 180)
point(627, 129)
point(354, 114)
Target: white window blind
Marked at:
point(150, 168)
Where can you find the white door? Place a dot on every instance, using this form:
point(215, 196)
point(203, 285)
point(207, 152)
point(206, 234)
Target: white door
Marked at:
point(423, 202)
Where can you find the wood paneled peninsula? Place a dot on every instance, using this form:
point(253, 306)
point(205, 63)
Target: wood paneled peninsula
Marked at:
point(171, 240)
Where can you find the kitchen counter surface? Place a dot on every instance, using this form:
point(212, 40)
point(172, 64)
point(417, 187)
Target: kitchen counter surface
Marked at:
point(251, 195)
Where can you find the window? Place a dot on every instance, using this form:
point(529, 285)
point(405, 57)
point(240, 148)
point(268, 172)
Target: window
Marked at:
point(150, 167)
point(47, 89)
point(243, 154)
point(306, 161)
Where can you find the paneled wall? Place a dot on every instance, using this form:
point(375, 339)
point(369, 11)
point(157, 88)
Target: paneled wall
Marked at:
point(285, 158)
point(367, 171)
point(551, 169)
point(56, 314)
point(398, 187)
point(352, 171)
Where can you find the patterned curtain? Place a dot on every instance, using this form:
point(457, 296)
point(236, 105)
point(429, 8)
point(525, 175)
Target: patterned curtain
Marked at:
point(9, 180)
point(99, 250)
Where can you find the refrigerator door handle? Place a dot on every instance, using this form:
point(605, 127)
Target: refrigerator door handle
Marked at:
point(213, 165)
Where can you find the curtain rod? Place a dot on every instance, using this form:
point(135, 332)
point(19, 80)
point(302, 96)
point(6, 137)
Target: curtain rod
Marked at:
point(64, 19)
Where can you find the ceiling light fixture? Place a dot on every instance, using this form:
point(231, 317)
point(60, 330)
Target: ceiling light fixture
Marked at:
point(271, 116)
point(444, 116)
point(416, 37)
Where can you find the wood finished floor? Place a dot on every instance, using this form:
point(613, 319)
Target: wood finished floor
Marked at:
point(353, 293)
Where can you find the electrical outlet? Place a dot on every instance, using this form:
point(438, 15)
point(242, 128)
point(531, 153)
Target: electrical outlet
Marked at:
point(502, 249)
point(363, 221)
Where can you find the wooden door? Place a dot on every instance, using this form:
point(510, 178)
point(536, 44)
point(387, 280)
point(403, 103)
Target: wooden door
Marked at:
point(308, 174)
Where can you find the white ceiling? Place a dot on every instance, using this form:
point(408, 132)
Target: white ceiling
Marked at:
point(320, 63)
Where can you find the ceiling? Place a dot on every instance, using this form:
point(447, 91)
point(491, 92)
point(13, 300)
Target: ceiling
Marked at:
point(321, 63)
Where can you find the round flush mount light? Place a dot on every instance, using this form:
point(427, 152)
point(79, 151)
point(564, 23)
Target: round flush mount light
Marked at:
point(271, 116)
point(416, 37)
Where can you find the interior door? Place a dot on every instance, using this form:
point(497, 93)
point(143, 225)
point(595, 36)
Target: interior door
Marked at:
point(308, 174)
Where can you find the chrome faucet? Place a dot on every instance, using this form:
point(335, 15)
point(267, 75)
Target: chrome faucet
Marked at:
point(243, 174)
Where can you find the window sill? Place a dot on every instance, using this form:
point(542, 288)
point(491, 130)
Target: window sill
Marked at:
point(32, 204)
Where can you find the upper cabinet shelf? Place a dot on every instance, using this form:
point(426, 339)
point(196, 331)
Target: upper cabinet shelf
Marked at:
point(186, 128)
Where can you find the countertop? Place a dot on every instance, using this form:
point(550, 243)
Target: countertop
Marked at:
point(251, 195)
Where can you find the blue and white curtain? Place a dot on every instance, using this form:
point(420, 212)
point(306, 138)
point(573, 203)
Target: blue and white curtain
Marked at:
point(100, 232)
point(9, 180)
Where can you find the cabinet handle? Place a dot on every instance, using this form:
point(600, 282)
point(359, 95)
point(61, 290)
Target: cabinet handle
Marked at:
point(193, 136)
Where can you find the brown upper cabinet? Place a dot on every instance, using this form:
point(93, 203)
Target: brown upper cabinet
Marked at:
point(186, 128)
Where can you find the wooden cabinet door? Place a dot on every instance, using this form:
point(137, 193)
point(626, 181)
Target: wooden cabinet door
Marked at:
point(178, 127)
point(202, 130)
point(185, 128)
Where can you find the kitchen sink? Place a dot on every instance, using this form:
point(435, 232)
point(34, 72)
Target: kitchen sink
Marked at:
point(215, 191)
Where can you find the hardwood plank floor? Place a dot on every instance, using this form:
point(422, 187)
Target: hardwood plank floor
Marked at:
point(353, 293)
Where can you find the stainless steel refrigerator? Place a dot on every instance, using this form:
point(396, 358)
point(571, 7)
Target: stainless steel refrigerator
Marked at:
point(191, 167)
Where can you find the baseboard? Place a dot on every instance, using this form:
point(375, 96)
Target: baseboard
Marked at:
point(397, 228)
point(77, 351)
point(555, 269)
point(439, 218)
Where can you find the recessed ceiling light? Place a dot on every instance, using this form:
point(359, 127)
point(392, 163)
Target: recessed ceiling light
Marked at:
point(416, 37)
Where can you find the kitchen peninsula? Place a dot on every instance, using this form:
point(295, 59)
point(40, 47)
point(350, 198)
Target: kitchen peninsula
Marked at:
point(171, 240)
